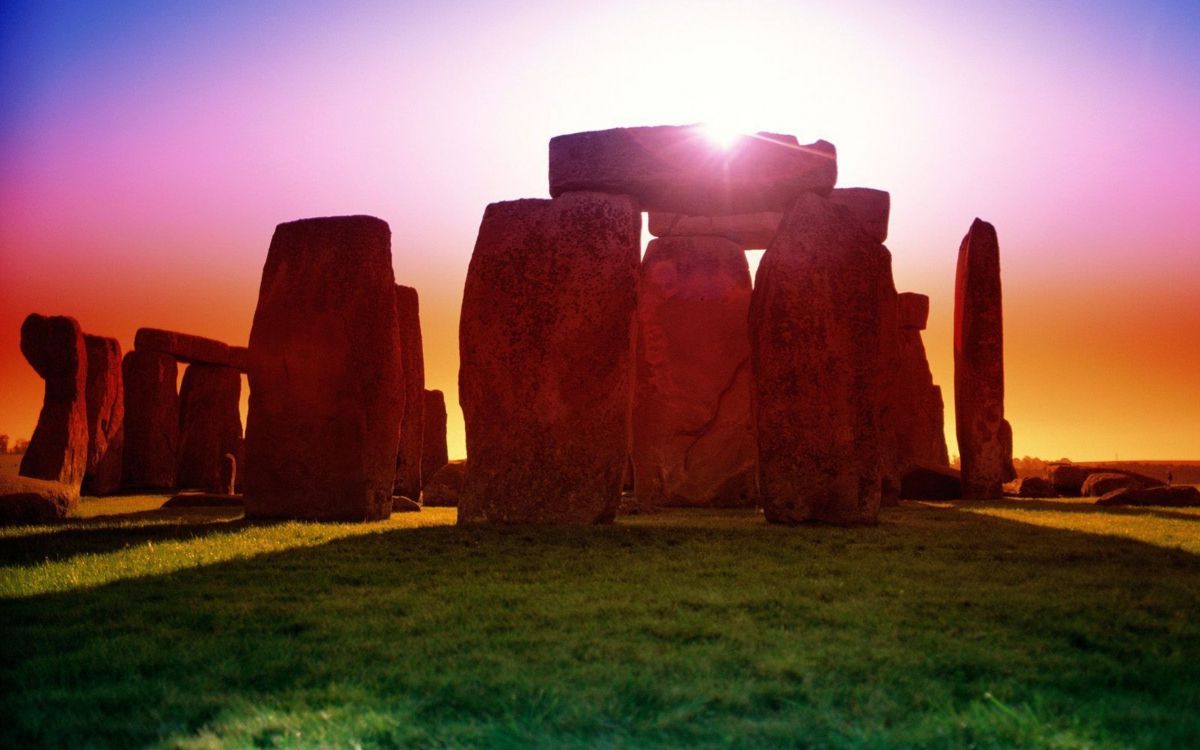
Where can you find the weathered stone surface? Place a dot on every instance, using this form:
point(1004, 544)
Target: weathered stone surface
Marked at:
point(1068, 479)
point(58, 450)
point(434, 453)
point(105, 416)
point(1102, 483)
point(888, 380)
point(545, 372)
point(151, 453)
point(326, 380)
point(816, 316)
point(26, 500)
point(185, 347)
point(747, 231)
point(931, 483)
point(914, 311)
point(445, 486)
point(1176, 496)
point(918, 418)
point(1036, 487)
point(871, 207)
point(755, 231)
point(412, 430)
point(679, 169)
point(210, 425)
point(693, 436)
point(984, 436)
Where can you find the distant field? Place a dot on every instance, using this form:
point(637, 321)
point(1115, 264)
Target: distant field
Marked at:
point(1012, 624)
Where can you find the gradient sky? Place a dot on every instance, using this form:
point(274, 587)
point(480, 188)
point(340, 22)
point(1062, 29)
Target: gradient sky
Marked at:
point(147, 150)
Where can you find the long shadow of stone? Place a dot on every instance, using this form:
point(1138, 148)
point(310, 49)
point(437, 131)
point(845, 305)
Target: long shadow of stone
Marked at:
point(474, 636)
point(1085, 506)
point(101, 534)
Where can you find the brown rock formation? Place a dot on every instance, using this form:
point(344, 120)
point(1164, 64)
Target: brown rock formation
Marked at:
point(747, 231)
point(105, 415)
point(1068, 479)
point(1103, 483)
point(678, 169)
point(445, 486)
point(408, 457)
point(1035, 487)
point(545, 372)
point(210, 425)
point(984, 437)
point(693, 436)
point(914, 311)
point(755, 231)
point(871, 207)
point(185, 347)
point(918, 416)
point(434, 454)
point(1178, 496)
point(25, 500)
point(58, 450)
point(931, 483)
point(151, 453)
point(326, 380)
point(816, 316)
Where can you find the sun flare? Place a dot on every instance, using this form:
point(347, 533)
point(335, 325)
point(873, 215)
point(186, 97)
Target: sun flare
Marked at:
point(722, 134)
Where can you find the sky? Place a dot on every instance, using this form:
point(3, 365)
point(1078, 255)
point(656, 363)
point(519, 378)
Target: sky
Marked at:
point(148, 149)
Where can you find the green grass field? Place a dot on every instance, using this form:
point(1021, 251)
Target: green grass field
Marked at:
point(1047, 624)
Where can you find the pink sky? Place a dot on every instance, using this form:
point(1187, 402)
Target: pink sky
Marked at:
point(148, 154)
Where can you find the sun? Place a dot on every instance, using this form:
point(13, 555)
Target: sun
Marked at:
point(722, 134)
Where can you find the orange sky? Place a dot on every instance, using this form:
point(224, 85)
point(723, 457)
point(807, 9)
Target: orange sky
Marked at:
point(145, 162)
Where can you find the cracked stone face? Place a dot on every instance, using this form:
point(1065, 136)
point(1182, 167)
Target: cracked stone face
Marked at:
point(326, 378)
point(693, 441)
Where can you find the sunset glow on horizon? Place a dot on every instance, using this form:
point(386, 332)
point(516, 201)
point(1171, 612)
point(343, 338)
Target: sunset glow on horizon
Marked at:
point(148, 151)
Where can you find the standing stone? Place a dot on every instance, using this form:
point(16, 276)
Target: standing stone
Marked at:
point(58, 450)
point(210, 425)
point(326, 380)
point(693, 439)
point(815, 322)
point(545, 372)
point(678, 169)
point(106, 416)
point(870, 206)
point(229, 474)
point(984, 436)
point(151, 454)
point(918, 417)
point(434, 452)
point(408, 458)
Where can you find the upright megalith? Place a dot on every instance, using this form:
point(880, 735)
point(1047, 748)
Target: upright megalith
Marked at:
point(326, 380)
point(693, 436)
point(679, 169)
point(210, 425)
point(408, 457)
point(58, 450)
point(186, 347)
point(105, 416)
point(918, 418)
point(816, 316)
point(434, 451)
point(545, 373)
point(151, 452)
point(984, 436)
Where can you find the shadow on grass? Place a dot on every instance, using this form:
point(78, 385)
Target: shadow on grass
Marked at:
point(101, 534)
point(909, 633)
point(1088, 505)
